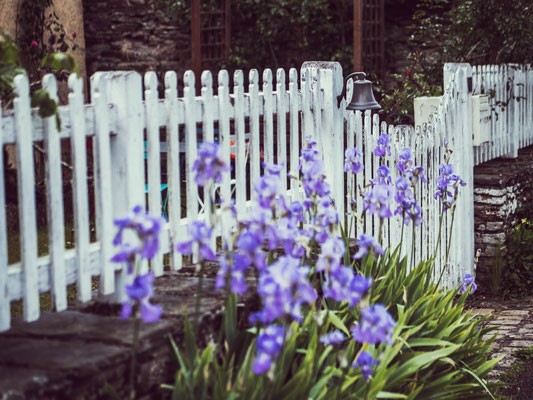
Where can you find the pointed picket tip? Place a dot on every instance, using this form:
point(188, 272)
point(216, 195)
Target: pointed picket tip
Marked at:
point(293, 75)
point(223, 78)
point(50, 85)
point(267, 76)
point(150, 81)
point(207, 80)
point(280, 76)
point(75, 84)
point(253, 76)
point(238, 78)
point(189, 79)
point(171, 80)
point(22, 85)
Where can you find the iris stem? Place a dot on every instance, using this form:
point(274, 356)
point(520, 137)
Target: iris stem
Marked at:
point(401, 236)
point(199, 289)
point(413, 247)
point(133, 360)
point(448, 247)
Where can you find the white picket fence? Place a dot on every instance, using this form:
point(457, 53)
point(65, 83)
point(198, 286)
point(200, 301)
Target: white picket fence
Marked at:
point(132, 126)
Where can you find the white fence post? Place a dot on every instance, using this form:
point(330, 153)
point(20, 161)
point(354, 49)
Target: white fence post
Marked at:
point(80, 189)
point(513, 111)
point(5, 314)
point(54, 202)
point(124, 91)
point(26, 197)
point(456, 78)
point(331, 134)
point(103, 187)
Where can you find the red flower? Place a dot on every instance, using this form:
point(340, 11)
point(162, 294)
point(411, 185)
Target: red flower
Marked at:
point(74, 34)
point(34, 44)
point(407, 72)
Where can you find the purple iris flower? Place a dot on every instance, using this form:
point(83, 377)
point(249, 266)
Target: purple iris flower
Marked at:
point(208, 165)
point(375, 326)
point(414, 213)
point(126, 254)
point(147, 228)
point(353, 160)
point(468, 282)
point(330, 258)
point(365, 361)
point(332, 338)
point(273, 169)
point(365, 243)
point(404, 161)
point(200, 233)
point(448, 186)
point(343, 285)
point(383, 147)
point(269, 345)
point(283, 288)
point(313, 172)
point(383, 177)
point(140, 291)
point(266, 190)
point(378, 199)
point(237, 280)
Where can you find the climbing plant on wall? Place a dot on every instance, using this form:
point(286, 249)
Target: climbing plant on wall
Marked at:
point(40, 33)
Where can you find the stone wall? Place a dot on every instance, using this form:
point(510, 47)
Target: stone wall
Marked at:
point(133, 35)
point(503, 193)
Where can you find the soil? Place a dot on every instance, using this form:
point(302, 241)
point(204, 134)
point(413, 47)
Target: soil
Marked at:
point(521, 386)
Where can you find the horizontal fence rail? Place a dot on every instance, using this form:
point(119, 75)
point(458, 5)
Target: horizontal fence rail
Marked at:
point(136, 140)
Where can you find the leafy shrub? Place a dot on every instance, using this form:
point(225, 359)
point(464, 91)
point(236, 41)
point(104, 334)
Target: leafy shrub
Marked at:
point(439, 350)
point(518, 263)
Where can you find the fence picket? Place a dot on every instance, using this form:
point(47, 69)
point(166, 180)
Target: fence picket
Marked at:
point(268, 118)
point(224, 108)
point(255, 140)
point(307, 125)
point(103, 189)
point(54, 203)
point(281, 114)
point(81, 204)
point(240, 144)
point(173, 164)
point(5, 309)
point(294, 146)
point(190, 145)
point(360, 178)
point(26, 197)
point(153, 151)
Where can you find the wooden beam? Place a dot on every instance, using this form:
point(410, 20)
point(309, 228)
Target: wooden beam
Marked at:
point(227, 29)
point(358, 35)
point(196, 54)
point(382, 39)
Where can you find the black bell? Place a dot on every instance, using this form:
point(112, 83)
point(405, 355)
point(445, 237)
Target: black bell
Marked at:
point(362, 96)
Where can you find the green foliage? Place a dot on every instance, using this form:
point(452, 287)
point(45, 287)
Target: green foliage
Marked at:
point(518, 271)
point(9, 55)
point(473, 31)
point(438, 351)
point(284, 33)
point(398, 102)
point(496, 272)
point(280, 33)
point(525, 354)
point(41, 33)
